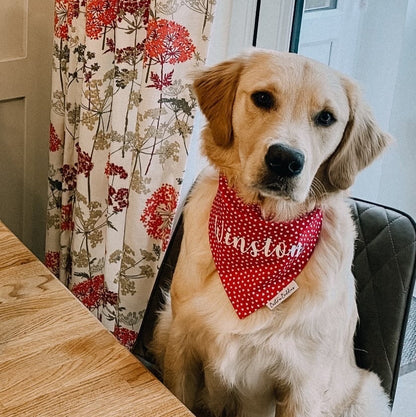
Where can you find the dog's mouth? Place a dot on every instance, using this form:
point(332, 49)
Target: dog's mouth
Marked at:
point(282, 187)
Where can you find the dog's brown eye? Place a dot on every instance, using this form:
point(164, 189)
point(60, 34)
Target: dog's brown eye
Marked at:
point(263, 100)
point(324, 118)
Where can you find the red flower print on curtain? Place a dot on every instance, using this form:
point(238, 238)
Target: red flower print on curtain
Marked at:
point(54, 142)
point(125, 336)
point(52, 262)
point(168, 41)
point(69, 177)
point(159, 212)
point(93, 293)
point(100, 14)
point(65, 12)
point(117, 199)
point(121, 120)
point(84, 164)
point(66, 217)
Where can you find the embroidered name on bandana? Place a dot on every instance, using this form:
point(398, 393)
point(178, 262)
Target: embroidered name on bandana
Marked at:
point(258, 260)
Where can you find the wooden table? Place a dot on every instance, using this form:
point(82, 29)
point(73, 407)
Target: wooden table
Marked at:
point(56, 359)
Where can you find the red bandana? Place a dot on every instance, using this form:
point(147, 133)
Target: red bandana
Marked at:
point(258, 260)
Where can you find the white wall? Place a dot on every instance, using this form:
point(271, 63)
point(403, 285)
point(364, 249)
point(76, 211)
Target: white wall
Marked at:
point(398, 185)
point(385, 67)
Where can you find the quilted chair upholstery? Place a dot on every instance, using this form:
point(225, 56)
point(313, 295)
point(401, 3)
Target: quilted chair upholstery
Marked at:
point(384, 267)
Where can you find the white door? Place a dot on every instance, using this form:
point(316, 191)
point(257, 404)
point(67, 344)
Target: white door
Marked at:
point(329, 32)
point(26, 30)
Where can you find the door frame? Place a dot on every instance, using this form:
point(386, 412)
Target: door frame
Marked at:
point(278, 25)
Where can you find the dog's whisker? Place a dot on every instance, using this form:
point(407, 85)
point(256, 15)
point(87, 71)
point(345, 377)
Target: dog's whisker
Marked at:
point(318, 190)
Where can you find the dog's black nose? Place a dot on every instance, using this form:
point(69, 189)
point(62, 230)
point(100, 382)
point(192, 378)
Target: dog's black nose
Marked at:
point(284, 161)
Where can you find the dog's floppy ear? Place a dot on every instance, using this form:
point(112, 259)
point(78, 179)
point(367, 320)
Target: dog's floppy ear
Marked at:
point(362, 142)
point(215, 89)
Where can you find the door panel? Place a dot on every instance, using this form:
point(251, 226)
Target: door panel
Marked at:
point(13, 27)
point(26, 30)
point(12, 156)
point(329, 35)
point(321, 51)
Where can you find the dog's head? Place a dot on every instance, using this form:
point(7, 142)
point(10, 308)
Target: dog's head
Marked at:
point(284, 126)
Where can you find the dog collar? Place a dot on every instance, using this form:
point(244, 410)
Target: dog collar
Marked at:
point(258, 260)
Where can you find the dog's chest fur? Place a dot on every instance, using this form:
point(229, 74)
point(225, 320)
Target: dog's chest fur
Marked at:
point(266, 352)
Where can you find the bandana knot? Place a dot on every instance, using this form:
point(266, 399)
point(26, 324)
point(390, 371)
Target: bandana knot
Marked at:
point(257, 259)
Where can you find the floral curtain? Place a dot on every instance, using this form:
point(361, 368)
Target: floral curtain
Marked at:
point(121, 121)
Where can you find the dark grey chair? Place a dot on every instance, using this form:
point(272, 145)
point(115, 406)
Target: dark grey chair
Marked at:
point(384, 268)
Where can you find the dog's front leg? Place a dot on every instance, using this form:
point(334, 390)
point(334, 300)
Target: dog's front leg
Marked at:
point(302, 400)
point(299, 410)
point(182, 371)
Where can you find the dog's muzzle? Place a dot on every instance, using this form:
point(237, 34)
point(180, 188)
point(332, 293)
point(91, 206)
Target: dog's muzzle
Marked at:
point(283, 161)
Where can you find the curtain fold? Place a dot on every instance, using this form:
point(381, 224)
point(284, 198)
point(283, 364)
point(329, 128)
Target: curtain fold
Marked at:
point(121, 120)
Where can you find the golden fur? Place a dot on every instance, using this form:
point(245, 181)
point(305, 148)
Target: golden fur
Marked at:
point(297, 360)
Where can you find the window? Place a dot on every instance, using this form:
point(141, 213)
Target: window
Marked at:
point(313, 5)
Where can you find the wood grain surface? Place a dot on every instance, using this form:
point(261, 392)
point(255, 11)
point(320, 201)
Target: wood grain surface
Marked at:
point(56, 359)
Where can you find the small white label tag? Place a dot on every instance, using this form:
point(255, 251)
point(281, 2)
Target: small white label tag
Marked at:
point(282, 295)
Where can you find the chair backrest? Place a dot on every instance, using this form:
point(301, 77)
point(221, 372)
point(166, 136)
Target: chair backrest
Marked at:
point(384, 268)
point(162, 283)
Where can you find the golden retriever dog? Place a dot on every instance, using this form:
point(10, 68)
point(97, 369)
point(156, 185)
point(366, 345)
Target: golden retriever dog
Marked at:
point(261, 323)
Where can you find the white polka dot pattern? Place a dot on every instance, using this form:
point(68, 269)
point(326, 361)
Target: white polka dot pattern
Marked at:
point(256, 258)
